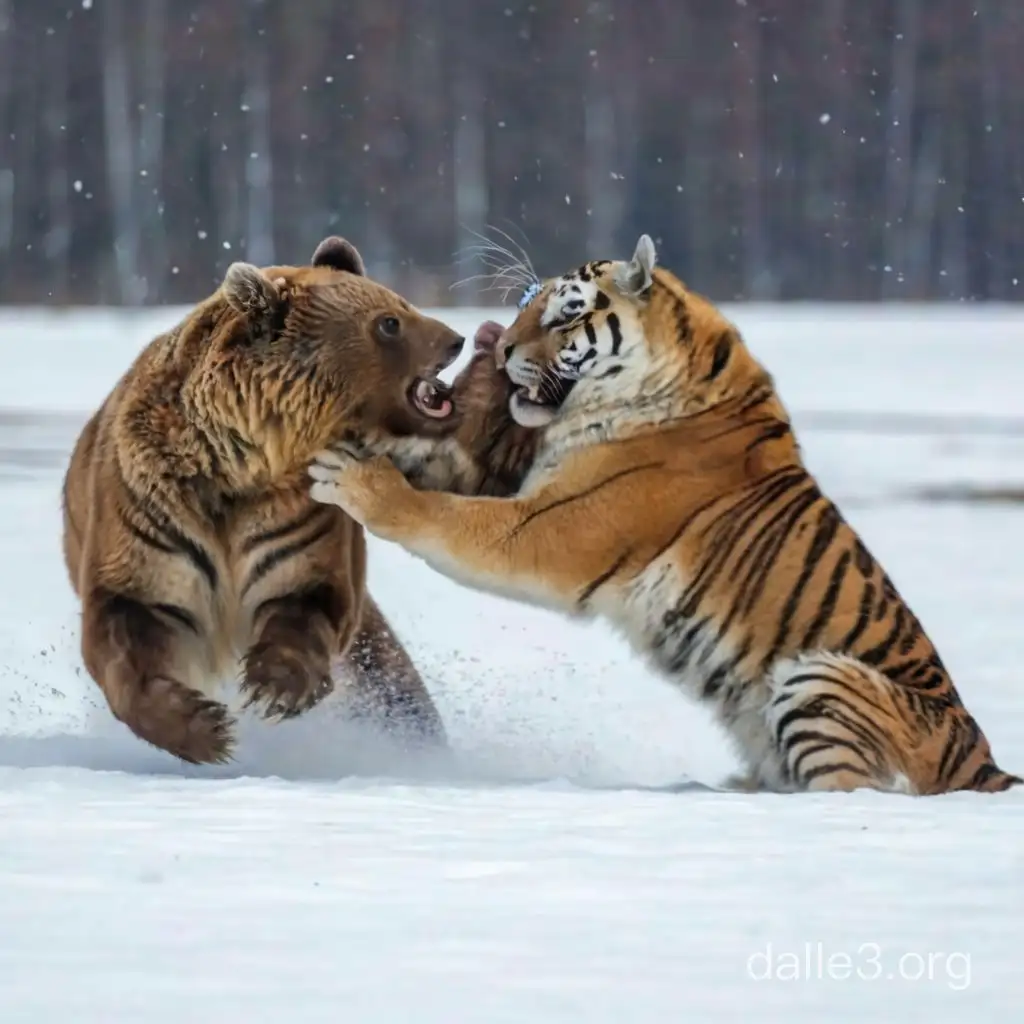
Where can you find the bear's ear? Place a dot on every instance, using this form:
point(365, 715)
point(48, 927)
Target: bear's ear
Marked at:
point(339, 254)
point(250, 292)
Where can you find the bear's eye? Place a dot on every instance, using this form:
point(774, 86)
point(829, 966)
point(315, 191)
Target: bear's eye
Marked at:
point(389, 326)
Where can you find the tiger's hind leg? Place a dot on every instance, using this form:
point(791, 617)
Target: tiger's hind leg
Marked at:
point(835, 724)
point(838, 724)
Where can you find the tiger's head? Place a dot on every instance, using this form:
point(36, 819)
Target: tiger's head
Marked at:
point(615, 330)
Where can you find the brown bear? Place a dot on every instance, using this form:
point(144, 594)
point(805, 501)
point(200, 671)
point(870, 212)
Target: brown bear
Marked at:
point(189, 534)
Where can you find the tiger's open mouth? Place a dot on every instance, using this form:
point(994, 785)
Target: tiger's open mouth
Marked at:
point(549, 393)
point(532, 405)
point(538, 404)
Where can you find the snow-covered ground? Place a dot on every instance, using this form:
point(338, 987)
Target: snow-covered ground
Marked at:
point(538, 877)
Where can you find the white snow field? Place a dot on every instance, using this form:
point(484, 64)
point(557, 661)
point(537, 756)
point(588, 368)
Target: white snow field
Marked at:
point(539, 876)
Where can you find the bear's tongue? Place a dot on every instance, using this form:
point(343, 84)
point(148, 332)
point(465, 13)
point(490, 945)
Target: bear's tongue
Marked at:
point(431, 397)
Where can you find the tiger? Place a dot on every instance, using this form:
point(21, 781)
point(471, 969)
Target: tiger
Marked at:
point(668, 498)
point(189, 535)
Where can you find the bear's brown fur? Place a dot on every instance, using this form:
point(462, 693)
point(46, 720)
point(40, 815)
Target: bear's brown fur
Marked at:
point(189, 534)
point(482, 450)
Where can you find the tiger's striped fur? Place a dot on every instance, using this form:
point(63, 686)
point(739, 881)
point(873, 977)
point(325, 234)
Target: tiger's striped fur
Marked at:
point(668, 496)
point(189, 533)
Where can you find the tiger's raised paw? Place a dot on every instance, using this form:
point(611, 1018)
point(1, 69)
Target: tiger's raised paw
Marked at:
point(372, 491)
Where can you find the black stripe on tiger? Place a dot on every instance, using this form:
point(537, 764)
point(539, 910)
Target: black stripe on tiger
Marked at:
point(725, 672)
point(833, 769)
point(615, 326)
point(991, 779)
point(828, 602)
point(769, 541)
point(720, 357)
point(586, 493)
point(768, 490)
point(680, 309)
point(878, 654)
point(957, 748)
point(797, 726)
point(772, 432)
point(824, 535)
point(594, 585)
point(736, 523)
point(766, 549)
point(754, 548)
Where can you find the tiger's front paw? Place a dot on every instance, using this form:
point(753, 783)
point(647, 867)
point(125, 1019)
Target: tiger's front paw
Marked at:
point(371, 490)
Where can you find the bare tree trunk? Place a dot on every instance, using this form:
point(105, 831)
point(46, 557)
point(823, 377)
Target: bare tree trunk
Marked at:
point(758, 281)
point(382, 138)
point(899, 151)
point(427, 229)
point(55, 118)
point(6, 129)
point(953, 268)
point(603, 211)
point(145, 144)
point(921, 215)
point(120, 148)
point(997, 223)
point(259, 234)
point(27, 267)
point(469, 172)
point(230, 114)
point(149, 183)
point(840, 272)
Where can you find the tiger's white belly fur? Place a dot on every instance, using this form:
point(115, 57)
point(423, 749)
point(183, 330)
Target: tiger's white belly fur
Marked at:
point(688, 655)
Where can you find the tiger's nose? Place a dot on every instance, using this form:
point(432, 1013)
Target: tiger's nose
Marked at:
point(502, 352)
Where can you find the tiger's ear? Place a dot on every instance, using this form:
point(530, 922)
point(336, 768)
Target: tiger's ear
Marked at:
point(250, 292)
point(636, 276)
point(339, 254)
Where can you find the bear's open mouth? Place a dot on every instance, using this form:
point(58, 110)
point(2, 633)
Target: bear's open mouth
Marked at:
point(431, 397)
